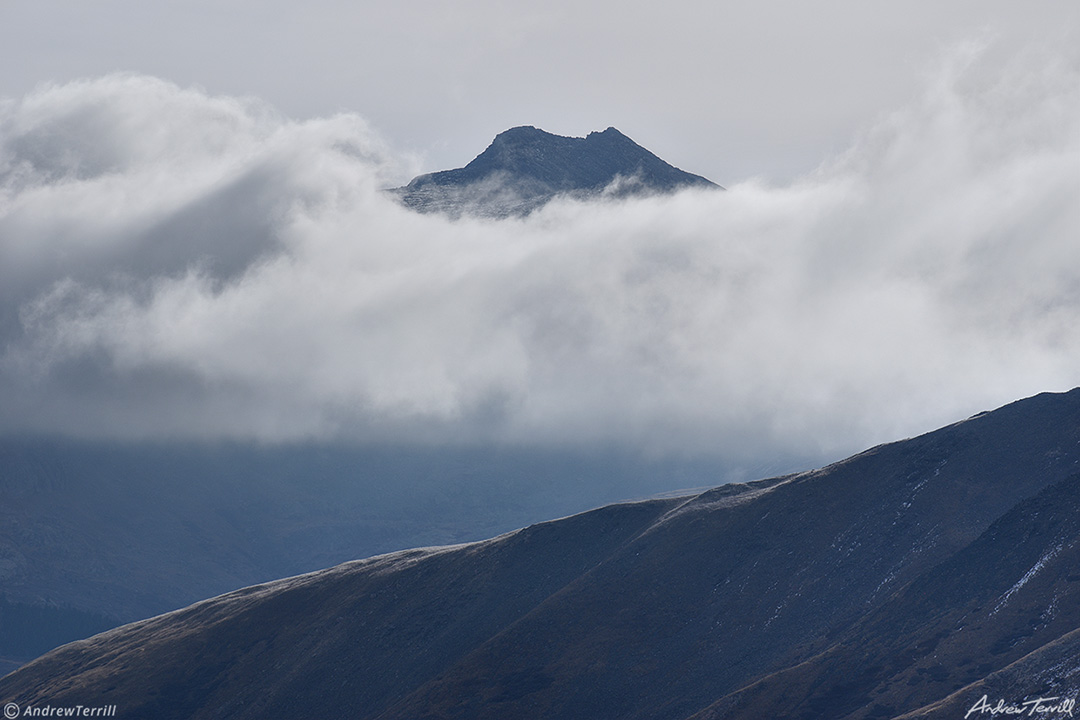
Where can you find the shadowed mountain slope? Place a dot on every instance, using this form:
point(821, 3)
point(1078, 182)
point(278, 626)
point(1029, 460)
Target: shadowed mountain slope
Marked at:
point(525, 167)
point(1051, 673)
point(876, 586)
point(1011, 593)
point(96, 534)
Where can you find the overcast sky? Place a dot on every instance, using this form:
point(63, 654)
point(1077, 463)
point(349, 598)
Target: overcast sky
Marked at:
point(727, 90)
point(197, 245)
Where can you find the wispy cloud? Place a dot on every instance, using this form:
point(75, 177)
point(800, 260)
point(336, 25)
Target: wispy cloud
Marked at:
point(175, 264)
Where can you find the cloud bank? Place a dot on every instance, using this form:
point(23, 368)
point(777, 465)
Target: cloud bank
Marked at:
point(174, 264)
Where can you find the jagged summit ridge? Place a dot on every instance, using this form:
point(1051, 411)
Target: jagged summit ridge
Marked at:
point(525, 167)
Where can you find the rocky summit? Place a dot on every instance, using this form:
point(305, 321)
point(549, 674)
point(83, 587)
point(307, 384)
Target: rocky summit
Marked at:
point(525, 167)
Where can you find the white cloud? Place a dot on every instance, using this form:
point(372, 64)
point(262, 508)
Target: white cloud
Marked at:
point(183, 265)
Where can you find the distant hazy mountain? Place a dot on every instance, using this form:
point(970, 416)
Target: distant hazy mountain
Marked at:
point(96, 534)
point(525, 167)
point(910, 579)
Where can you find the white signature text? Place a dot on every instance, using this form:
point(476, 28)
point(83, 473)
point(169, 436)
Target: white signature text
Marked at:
point(1038, 706)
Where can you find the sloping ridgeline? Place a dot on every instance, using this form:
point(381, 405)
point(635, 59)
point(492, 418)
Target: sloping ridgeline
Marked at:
point(915, 576)
point(28, 630)
point(524, 168)
point(97, 534)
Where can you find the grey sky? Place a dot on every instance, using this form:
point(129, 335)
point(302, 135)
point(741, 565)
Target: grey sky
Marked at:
point(728, 90)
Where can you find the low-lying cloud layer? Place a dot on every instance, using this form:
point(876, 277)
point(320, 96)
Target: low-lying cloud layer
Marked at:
point(178, 265)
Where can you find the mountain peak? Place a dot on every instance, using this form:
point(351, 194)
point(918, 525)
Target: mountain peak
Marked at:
point(610, 132)
point(525, 167)
point(521, 132)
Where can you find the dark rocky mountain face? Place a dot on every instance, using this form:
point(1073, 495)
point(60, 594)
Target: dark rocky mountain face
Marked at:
point(911, 580)
point(524, 168)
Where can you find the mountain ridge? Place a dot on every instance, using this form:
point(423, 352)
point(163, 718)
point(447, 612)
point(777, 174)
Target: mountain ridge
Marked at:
point(124, 531)
point(748, 601)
